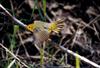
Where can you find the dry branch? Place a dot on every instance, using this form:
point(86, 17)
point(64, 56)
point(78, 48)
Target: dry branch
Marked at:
point(13, 55)
point(80, 57)
point(12, 17)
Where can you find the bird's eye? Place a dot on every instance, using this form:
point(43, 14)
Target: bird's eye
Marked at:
point(30, 27)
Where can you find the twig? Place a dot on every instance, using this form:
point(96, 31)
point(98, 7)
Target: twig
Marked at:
point(93, 21)
point(12, 17)
point(13, 55)
point(80, 57)
point(12, 8)
point(21, 41)
point(96, 32)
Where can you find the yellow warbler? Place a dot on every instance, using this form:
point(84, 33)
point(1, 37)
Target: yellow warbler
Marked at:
point(42, 30)
point(44, 26)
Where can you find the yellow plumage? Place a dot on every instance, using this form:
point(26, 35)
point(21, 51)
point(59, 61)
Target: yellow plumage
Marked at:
point(42, 30)
point(53, 27)
point(31, 27)
point(43, 26)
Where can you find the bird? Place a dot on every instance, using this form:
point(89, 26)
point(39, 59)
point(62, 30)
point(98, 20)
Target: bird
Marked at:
point(43, 30)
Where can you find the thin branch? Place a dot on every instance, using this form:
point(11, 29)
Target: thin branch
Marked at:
point(13, 55)
point(93, 21)
point(12, 17)
point(80, 57)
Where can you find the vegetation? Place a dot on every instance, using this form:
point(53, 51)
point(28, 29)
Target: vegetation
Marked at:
point(49, 34)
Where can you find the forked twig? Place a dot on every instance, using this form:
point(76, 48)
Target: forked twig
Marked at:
point(93, 21)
